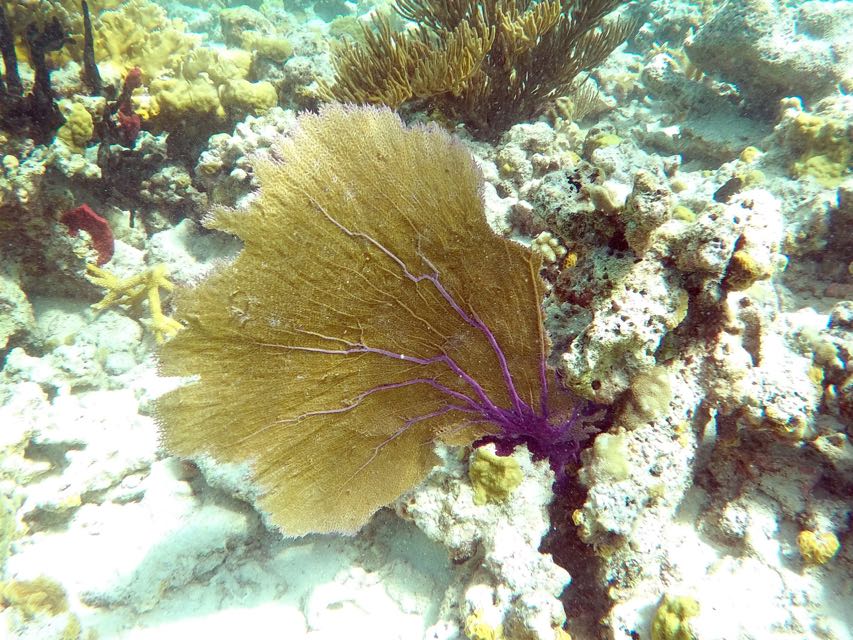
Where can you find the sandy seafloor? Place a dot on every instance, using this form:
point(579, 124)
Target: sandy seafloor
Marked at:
point(697, 230)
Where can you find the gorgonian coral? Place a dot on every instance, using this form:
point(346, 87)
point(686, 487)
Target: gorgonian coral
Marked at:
point(371, 312)
point(488, 63)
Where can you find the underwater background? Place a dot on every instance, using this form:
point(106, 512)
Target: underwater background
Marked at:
point(564, 351)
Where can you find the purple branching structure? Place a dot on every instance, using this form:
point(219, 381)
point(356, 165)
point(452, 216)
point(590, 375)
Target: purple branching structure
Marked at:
point(547, 436)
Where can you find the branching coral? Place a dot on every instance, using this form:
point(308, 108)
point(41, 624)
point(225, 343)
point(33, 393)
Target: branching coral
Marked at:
point(132, 291)
point(488, 63)
point(371, 312)
point(392, 68)
point(37, 111)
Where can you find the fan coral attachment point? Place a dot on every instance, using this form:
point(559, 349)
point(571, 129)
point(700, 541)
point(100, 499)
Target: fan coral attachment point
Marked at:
point(132, 291)
point(371, 313)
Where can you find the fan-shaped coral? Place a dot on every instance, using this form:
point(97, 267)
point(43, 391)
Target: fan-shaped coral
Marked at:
point(371, 312)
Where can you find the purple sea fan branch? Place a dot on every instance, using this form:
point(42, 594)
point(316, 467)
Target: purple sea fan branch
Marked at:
point(408, 424)
point(519, 406)
point(359, 348)
point(557, 441)
point(472, 407)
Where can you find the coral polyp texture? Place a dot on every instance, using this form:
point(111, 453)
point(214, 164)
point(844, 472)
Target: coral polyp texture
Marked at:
point(371, 313)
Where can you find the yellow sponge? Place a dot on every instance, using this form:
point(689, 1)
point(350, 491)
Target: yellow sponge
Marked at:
point(248, 97)
point(818, 548)
point(493, 477)
point(78, 127)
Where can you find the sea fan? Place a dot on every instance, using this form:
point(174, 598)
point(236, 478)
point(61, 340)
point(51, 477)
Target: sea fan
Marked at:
point(371, 313)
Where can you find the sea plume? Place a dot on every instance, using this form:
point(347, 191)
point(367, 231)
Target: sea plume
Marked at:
point(371, 312)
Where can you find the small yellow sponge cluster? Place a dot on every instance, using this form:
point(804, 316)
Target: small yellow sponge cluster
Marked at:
point(34, 596)
point(493, 477)
point(598, 141)
point(822, 138)
point(818, 548)
point(42, 596)
point(671, 621)
point(478, 628)
point(744, 271)
point(78, 128)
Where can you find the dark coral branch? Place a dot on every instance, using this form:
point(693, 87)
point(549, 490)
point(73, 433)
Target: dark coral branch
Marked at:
point(36, 113)
point(91, 76)
point(12, 83)
point(45, 115)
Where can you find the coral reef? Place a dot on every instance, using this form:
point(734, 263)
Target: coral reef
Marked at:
point(779, 47)
point(18, 313)
point(821, 140)
point(498, 542)
point(224, 168)
point(685, 213)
